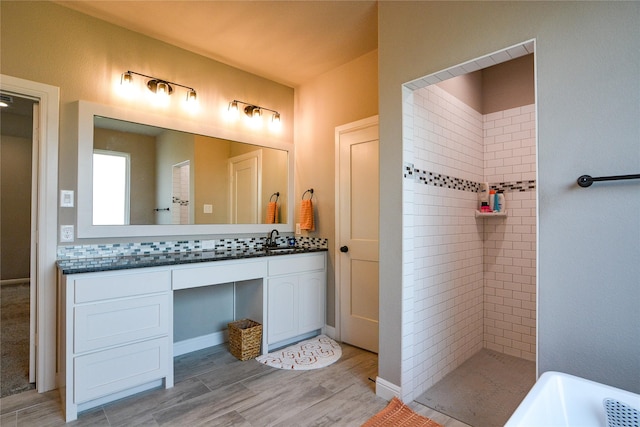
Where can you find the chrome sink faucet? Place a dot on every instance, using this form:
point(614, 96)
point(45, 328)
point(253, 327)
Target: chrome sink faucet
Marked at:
point(271, 241)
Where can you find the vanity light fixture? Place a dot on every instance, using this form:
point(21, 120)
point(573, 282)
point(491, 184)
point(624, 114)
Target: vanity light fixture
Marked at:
point(159, 86)
point(252, 110)
point(5, 100)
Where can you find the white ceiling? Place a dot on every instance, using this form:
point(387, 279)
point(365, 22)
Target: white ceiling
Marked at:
point(289, 42)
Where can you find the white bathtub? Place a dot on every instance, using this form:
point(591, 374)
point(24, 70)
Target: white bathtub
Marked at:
point(558, 399)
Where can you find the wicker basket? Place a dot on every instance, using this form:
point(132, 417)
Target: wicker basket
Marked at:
point(245, 337)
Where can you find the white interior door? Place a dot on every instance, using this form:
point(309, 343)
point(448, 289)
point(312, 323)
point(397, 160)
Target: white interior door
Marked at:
point(358, 224)
point(245, 181)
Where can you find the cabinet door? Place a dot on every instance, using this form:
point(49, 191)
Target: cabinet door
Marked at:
point(311, 288)
point(282, 308)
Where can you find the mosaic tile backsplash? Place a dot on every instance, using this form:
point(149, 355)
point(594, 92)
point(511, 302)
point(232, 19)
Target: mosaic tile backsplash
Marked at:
point(164, 247)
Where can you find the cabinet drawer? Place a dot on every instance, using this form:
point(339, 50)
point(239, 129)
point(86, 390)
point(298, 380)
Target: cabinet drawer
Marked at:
point(107, 286)
point(218, 272)
point(100, 374)
point(121, 321)
point(296, 263)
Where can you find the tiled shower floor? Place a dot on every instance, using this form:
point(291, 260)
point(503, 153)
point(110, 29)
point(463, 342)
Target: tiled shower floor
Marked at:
point(484, 391)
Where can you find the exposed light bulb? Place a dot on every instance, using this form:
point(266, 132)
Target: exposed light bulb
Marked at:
point(126, 79)
point(161, 88)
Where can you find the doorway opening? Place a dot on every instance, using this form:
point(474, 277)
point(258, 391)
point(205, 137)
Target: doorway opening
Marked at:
point(181, 188)
point(18, 204)
point(43, 273)
point(474, 278)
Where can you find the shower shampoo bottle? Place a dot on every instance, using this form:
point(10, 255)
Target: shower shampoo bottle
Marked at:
point(501, 202)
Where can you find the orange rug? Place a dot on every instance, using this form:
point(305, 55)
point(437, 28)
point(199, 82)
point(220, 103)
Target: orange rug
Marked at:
point(397, 414)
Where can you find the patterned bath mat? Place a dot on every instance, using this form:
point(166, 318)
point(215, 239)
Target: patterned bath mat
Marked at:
point(313, 353)
point(398, 414)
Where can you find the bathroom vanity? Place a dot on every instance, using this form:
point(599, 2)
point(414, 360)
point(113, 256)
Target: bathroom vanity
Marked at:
point(116, 314)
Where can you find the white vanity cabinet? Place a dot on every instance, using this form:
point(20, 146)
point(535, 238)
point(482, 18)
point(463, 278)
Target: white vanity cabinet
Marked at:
point(116, 327)
point(295, 296)
point(116, 333)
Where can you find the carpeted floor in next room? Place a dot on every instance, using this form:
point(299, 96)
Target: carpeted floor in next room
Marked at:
point(14, 339)
point(484, 391)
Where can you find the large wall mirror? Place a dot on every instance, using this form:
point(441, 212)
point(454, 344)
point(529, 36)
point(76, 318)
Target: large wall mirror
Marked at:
point(141, 174)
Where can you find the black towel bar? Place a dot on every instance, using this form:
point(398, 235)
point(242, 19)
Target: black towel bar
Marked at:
point(587, 180)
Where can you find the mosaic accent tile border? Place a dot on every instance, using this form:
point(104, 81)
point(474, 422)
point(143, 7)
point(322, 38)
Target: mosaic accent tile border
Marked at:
point(446, 181)
point(167, 247)
point(407, 170)
point(520, 186)
point(440, 180)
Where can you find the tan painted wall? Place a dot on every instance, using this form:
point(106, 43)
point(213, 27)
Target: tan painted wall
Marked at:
point(508, 85)
point(467, 88)
point(500, 87)
point(48, 43)
point(211, 178)
point(15, 205)
point(341, 96)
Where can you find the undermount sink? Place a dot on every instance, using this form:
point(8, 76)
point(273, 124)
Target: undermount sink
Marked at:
point(280, 248)
point(559, 399)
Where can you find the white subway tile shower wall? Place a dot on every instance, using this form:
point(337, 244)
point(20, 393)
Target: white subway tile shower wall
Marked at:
point(510, 243)
point(409, 371)
point(447, 320)
point(467, 282)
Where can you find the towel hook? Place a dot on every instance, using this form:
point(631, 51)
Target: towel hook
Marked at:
point(308, 191)
point(277, 194)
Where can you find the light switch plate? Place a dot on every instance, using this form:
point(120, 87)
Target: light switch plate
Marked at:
point(298, 230)
point(66, 198)
point(66, 233)
point(208, 208)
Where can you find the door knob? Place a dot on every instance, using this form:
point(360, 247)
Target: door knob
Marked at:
point(344, 249)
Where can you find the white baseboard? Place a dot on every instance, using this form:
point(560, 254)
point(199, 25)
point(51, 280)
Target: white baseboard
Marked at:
point(284, 343)
point(198, 343)
point(386, 390)
point(329, 331)
point(14, 281)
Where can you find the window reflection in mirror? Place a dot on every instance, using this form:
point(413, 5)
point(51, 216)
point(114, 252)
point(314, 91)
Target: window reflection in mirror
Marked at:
point(111, 181)
point(226, 182)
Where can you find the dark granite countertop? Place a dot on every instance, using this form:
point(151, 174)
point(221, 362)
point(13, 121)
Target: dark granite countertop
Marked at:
point(93, 265)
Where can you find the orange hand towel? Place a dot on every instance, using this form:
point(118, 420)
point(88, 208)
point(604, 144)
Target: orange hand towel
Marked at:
point(306, 215)
point(272, 213)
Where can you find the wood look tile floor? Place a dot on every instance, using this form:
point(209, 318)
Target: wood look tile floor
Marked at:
point(213, 388)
